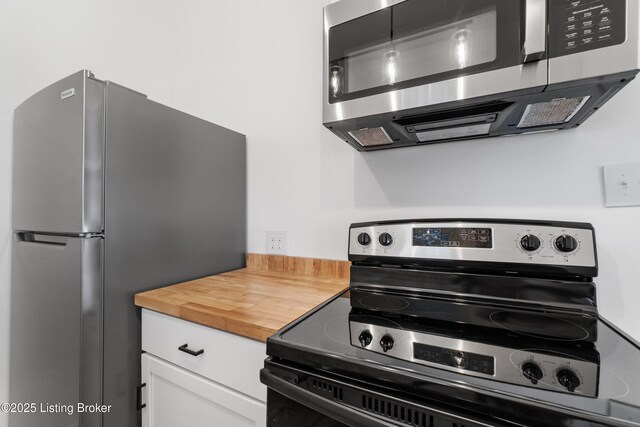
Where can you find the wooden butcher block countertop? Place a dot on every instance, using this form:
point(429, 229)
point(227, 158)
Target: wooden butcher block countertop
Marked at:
point(256, 301)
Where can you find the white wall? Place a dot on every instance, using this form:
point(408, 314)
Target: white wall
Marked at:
point(255, 66)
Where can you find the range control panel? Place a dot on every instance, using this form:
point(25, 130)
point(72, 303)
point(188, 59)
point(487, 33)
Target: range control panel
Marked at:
point(580, 25)
point(475, 241)
point(466, 361)
point(530, 367)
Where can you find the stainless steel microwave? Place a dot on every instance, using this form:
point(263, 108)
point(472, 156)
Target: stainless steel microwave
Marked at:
point(401, 73)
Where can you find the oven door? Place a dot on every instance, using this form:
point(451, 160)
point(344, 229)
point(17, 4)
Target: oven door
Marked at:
point(303, 398)
point(394, 55)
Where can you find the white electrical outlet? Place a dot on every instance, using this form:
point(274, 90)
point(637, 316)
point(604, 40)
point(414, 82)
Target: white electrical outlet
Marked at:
point(277, 242)
point(622, 185)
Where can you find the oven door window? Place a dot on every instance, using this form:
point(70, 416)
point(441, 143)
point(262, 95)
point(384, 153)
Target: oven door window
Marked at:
point(418, 42)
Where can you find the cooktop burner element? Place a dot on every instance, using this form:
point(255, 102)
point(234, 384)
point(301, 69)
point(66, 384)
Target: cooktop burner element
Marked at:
point(521, 323)
point(490, 313)
point(383, 302)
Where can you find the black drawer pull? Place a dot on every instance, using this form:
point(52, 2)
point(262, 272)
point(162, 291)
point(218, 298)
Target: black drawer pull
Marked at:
point(191, 352)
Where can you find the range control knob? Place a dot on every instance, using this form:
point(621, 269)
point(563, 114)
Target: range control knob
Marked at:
point(385, 239)
point(365, 338)
point(458, 358)
point(386, 342)
point(532, 372)
point(566, 243)
point(364, 239)
point(568, 379)
point(530, 243)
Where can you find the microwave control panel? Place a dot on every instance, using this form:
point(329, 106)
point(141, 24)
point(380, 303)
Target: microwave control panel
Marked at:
point(581, 25)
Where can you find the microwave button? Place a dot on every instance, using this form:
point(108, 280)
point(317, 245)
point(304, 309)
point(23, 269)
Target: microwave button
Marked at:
point(604, 37)
point(571, 27)
point(588, 23)
point(587, 32)
point(571, 44)
point(572, 35)
point(587, 40)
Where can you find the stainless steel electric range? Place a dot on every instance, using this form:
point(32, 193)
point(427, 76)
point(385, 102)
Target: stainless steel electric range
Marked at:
point(458, 323)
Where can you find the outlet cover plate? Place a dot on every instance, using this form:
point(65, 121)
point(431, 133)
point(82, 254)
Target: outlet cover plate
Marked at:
point(622, 185)
point(277, 242)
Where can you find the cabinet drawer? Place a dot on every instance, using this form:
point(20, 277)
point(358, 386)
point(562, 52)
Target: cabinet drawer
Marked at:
point(227, 359)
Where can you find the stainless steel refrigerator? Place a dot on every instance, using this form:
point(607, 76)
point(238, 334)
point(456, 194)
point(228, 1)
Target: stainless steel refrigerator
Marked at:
point(113, 194)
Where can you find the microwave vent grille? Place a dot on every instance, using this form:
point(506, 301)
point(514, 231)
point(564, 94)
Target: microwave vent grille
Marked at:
point(370, 137)
point(554, 112)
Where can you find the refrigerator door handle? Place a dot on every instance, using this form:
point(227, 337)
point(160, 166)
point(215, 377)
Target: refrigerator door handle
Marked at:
point(44, 239)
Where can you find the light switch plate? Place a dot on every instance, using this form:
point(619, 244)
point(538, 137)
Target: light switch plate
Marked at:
point(622, 185)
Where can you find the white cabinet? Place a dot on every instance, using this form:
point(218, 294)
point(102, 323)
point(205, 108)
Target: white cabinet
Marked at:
point(214, 381)
point(177, 397)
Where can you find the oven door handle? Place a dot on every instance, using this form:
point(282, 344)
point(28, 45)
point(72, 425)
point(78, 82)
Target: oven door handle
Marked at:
point(332, 409)
point(535, 39)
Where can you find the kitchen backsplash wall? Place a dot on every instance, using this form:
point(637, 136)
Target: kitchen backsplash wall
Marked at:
point(255, 66)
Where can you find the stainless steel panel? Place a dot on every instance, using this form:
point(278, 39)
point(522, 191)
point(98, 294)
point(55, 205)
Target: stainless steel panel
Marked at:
point(535, 39)
point(58, 152)
point(91, 363)
point(605, 61)
point(55, 352)
point(532, 76)
point(175, 210)
point(344, 11)
point(507, 361)
point(506, 247)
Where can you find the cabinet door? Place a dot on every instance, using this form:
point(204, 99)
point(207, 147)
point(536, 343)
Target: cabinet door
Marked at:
point(175, 396)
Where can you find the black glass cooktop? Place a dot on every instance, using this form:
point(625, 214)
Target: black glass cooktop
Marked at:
point(325, 340)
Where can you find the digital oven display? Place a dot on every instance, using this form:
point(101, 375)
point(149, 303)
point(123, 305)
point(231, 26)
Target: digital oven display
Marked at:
point(453, 237)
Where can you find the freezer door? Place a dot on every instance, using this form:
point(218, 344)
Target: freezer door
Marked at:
point(58, 152)
point(56, 343)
